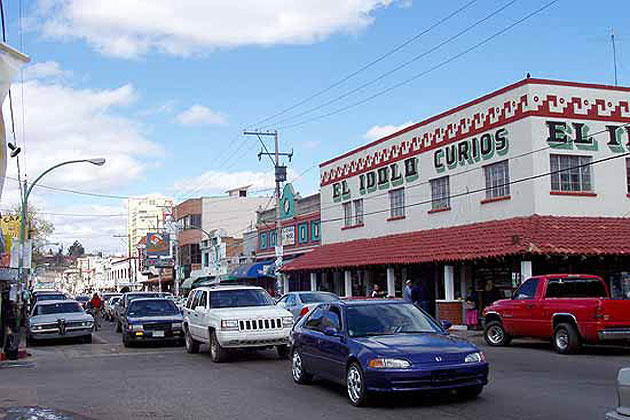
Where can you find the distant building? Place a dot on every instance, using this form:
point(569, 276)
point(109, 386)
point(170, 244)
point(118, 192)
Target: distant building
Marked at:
point(145, 215)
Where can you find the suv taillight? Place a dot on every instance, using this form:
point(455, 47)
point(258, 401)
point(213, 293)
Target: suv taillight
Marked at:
point(304, 311)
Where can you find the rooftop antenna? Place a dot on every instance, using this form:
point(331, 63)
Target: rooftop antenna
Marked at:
point(612, 40)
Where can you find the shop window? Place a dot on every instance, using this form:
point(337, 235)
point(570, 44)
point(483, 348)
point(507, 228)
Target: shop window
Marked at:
point(262, 240)
point(302, 233)
point(358, 211)
point(347, 214)
point(497, 180)
point(272, 238)
point(315, 230)
point(440, 193)
point(397, 203)
point(570, 173)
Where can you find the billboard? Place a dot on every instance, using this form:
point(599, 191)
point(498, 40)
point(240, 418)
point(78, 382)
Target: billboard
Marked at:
point(158, 245)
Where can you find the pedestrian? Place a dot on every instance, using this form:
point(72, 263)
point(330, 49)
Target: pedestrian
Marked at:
point(489, 295)
point(472, 313)
point(377, 292)
point(407, 291)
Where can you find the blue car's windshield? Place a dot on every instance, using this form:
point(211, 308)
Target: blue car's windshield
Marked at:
point(388, 319)
point(158, 307)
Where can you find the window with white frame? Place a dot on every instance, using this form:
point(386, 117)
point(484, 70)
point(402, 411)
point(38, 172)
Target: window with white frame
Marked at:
point(397, 203)
point(358, 211)
point(497, 179)
point(347, 214)
point(440, 193)
point(571, 173)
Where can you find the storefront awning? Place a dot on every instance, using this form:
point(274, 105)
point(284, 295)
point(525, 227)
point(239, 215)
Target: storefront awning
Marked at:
point(534, 235)
point(253, 270)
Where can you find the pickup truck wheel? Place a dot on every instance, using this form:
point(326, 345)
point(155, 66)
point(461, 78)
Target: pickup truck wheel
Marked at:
point(566, 339)
point(218, 354)
point(192, 346)
point(495, 334)
point(300, 376)
point(283, 351)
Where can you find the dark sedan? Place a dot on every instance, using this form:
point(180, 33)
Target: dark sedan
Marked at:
point(384, 346)
point(152, 320)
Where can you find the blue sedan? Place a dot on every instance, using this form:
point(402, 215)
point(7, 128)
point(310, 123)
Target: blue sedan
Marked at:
point(383, 346)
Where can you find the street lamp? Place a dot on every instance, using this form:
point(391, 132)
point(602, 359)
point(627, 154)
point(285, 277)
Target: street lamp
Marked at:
point(27, 193)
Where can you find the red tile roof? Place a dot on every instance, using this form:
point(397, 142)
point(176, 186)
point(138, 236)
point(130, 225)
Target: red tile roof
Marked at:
point(533, 235)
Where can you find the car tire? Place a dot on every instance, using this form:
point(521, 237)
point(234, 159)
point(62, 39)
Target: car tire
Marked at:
point(125, 340)
point(87, 339)
point(470, 392)
point(566, 339)
point(298, 371)
point(192, 346)
point(118, 327)
point(283, 351)
point(218, 354)
point(495, 334)
point(29, 341)
point(355, 385)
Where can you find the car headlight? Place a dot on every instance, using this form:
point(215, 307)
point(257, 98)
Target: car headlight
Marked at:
point(135, 327)
point(229, 324)
point(477, 357)
point(36, 327)
point(287, 321)
point(382, 363)
point(176, 325)
point(87, 323)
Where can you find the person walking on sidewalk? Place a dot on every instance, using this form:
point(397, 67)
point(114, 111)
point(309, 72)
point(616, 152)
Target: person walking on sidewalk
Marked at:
point(472, 313)
point(407, 291)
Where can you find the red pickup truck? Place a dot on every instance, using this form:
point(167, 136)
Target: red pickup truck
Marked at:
point(569, 309)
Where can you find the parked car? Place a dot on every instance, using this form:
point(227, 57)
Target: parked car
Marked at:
point(110, 307)
point(107, 296)
point(384, 346)
point(54, 319)
point(124, 303)
point(232, 317)
point(83, 300)
point(300, 303)
point(569, 309)
point(623, 397)
point(152, 320)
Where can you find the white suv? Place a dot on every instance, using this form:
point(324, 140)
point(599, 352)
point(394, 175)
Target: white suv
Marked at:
point(227, 317)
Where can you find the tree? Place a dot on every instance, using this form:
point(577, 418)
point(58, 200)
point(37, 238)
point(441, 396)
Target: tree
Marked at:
point(37, 228)
point(76, 250)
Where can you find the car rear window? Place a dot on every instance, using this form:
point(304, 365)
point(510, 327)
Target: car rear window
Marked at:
point(575, 288)
point(40, 298)
point(58, 308)
point(318, 297)
point(152, 308)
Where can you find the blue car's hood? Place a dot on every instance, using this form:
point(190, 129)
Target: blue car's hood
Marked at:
point(419, 348)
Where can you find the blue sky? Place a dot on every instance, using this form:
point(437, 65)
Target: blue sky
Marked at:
point(164, 88)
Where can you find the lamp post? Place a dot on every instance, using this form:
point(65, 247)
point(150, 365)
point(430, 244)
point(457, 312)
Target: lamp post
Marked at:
point(27, 192)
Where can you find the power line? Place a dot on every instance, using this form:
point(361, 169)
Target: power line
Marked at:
point(430, 70)
point(68, 190)
point(402, 65)
point(368, 65)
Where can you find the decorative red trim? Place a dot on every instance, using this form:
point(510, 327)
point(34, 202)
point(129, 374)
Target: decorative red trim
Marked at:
point(352, 226)
point(391, 219)
point(439, 210)
point(574, 193)
point(492, 200)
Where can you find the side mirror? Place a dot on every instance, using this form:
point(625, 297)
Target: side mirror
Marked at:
point(332, 332)
point(446, 324)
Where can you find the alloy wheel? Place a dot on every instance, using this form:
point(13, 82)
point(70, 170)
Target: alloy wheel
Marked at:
point(562, 339)
point(496, 334)
point(354, 384)
point(297, 366)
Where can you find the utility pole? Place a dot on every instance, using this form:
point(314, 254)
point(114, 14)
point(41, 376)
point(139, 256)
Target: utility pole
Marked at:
point(612, 40)
point(280, 177)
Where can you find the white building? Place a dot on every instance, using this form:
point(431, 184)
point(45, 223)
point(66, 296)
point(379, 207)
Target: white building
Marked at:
point(530, 179)
point(123, 272)
point(145, 215)
point(235, 213)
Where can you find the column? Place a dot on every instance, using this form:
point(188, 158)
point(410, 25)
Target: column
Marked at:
point(313, 282)
point(347, 283)
point(526, 270)
point(391, 282)
point(285, 284)
point(449, 282)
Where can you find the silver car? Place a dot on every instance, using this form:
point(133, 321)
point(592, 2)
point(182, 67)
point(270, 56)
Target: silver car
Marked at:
point(55, 319)
point(300, 303)
point(623, 393)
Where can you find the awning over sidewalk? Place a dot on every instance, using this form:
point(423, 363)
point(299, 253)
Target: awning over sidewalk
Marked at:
point(253, 270)
point(534, 235)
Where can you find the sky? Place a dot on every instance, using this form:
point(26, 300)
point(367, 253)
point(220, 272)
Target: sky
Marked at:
point(163, 89)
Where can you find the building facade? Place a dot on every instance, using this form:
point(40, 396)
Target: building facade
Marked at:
point(145, 215)
point(533, 178)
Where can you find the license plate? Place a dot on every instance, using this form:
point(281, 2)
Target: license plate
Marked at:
point(158, 333)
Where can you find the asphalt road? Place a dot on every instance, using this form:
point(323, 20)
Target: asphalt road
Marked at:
point(103, 380)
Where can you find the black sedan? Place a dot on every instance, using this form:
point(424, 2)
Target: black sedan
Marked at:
point(152, 320)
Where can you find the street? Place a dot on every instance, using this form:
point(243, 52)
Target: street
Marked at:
point(103, 380)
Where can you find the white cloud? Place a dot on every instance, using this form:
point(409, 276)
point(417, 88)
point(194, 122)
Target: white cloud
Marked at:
point(63, 123)
point(217, 182)
point(131, 28)
point(380, 131)
point(198, 115)
point(45, 70)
